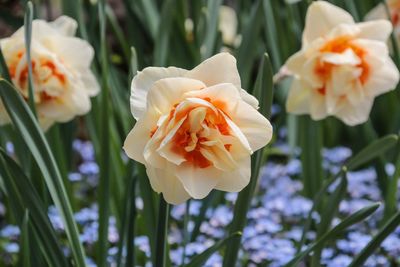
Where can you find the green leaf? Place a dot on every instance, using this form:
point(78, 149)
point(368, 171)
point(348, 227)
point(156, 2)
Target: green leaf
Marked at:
point(212, 12)
point(391, 192)
point(328, 213)
point(25, 256)
point(28, 38)
point(164, 32)
point(118, 32)
point(201, 259)
point(367, 251)
point(335, 232)
point(133, 63)
point(263, 89)
point(105, 148)
point(30, 131)
point(310, 132)
point(162, 233)
point(24, 196)
point(3, 68)
point(375, 149)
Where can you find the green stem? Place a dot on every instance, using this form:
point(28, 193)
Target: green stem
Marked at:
point(391, 191)
point(28, 37)
point(162, 233)
point(185, 231)
point(104, 183)
point(311, 144)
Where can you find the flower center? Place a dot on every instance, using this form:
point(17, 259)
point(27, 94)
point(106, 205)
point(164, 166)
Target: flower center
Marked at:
point(203, 132)
point(48, 79)
point(338, 46)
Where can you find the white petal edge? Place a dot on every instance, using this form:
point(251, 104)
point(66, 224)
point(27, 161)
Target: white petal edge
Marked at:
point(143, 81)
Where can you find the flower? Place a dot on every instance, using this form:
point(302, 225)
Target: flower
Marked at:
point(63, 81)
point(379, 12)
point(228, 24)
point(196, 129)
point(341, 67)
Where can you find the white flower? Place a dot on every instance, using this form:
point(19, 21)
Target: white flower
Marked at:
point(341, 67)
point(379, 12)
point(228, 25)
point(63, 81)
point(195, 129)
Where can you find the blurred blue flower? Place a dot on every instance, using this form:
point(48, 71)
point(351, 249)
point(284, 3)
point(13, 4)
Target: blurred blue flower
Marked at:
point(340, 261)
point(10, 231)
point(336, 155)
point(11, 248)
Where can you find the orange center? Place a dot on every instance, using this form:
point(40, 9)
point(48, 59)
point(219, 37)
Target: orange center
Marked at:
point(21, 80)
point(185, 138)
point(340, 45)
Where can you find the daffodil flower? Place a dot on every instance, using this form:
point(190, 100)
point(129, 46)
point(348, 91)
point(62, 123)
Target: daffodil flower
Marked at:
point(341, 67)
point(195, 129)
point(63, 81)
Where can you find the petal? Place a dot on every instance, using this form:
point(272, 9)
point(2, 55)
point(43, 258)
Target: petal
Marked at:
point(298, 100)
point(164, 181)
point(296, 62)
point(40, 29)
point(321, 18)
point(220, 68)
point(236, 180)
point(353, 115)
point(378, 30)
point(384, 77)
point(142, 83)
point(65, 25)
point(318, 108)
point(166, 93)
point(378, 12)
point(138, 137)
point(90, 83)
point(347, 57)
point(254, 126)
point(74, 52)
point(249, 99)
point(198, 182)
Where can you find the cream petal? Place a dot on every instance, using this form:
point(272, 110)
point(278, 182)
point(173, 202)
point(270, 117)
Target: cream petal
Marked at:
point(65, 25)
point(354, 115)
point(378, 30)
point(378, 12)
point(296, 62)
point(384, 77)
point(40, 29)
point(166, 93)
point(298, 100)
point(220, 68)
point(348, 57)
point(198, 182)
point(321, 18)
point(143, 81)
point(342, 79)
point(164, 181)
point(236, 180)
point(254, 126)
point(90, 83)
point(164, 148)
point(318, 109)
point(74, 52)
point(219, 156)
point(249, 99)
point(139, 136)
